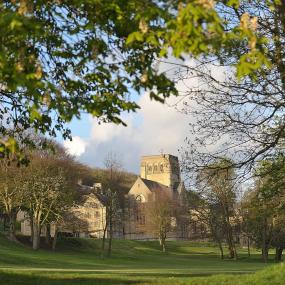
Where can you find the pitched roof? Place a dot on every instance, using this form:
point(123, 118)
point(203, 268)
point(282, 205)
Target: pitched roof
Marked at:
point(179, 187)
point(84, 191)
point(101, 197)
point(154, 186)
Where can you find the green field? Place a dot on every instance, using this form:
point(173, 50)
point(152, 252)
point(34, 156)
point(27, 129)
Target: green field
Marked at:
point(78, 261)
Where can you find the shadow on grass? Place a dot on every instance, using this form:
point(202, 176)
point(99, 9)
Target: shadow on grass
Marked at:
point(9, 278)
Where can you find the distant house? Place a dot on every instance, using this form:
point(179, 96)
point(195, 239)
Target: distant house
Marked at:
point(86, 218)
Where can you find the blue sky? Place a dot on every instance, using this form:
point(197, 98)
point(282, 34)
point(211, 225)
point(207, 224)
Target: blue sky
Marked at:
point(81, 127)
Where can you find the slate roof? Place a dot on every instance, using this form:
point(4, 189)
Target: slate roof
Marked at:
point(176, 186)
point(179, 187)
point(84, 191)
point(154, 186)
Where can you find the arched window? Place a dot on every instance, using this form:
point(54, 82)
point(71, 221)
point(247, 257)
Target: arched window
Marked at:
point(161, 167)
point(155, 168)
point(149, 168)
point(141, 219)
point(140, 198)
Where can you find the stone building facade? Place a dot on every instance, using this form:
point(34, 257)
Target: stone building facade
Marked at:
point(160, 175)
point(163, 169)
point(86, 218)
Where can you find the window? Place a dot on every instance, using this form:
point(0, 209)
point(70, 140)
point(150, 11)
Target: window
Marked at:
point(140, 198)
point(155, 168)
point(141, 219)
point(161, 167)
point(149, 168)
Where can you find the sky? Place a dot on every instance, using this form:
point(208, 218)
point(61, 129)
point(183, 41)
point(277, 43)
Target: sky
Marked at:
point(156, 128)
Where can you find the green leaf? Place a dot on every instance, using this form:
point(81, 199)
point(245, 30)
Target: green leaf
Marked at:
point(135, 36)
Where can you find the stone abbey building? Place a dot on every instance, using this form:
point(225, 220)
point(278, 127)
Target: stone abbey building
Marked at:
point(159, 177)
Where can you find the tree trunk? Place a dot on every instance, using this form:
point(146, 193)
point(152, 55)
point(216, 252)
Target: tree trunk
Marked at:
point(248, 246)
point(221, 249)
point(231, 245)
point(264, 253)
point(54, 241)
point(110, 238)
point(163, 243)
point(230, 239)
point(163, 246)
point(48, 236)
point(278, 254)
point(231, 252)
point(36, 235)
point(104, 240)
point(217, 238)
point(265, 245)
point(12, 224)
point(32, 228)
point(4, 222)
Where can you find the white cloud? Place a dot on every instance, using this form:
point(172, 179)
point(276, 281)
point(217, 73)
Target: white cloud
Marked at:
point(76, 147)
point(155, 128)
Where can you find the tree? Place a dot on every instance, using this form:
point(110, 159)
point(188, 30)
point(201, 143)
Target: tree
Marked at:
point(44, 184)
point(160, 216)
point(50, 179)
point(247, 223)
point(11, 192)
point(278, 240)
point(110, 197)
point(210, 215)
point(59, 59)
point(205, 29)
point(112, 217)
point(271, 179)
point(71, 171)
point(264, 206)
point(260, 221)
point(216, 186)
point(73, 221)
point(239, 117)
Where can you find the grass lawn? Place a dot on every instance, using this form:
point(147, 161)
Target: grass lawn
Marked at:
point(78, 261)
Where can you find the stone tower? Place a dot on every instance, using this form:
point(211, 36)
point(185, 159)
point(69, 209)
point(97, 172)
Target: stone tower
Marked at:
point(162, 168)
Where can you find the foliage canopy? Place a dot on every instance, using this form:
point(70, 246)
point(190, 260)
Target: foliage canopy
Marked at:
point(61, 58)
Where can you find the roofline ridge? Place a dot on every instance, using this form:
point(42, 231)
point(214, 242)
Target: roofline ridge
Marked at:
point(155, 182)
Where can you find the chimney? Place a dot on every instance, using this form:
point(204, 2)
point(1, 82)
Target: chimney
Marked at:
point(97, 186)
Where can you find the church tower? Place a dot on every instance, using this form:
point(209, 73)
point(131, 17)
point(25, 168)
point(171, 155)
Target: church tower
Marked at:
point(162, 168)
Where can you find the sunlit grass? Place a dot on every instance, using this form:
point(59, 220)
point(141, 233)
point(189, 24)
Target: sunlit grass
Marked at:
point(78, 261)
